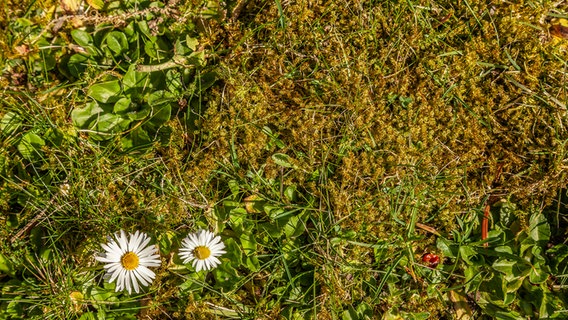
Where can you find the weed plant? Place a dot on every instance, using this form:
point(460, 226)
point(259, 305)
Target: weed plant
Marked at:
point(347, 153)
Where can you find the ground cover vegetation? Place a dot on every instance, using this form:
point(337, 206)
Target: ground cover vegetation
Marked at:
point(358, 159)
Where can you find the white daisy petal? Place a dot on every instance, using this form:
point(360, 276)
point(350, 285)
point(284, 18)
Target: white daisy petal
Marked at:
point(133, 241)
point(151, 250)
point(127, 258)
point(140, 278)
point(134, 280)
point(198, 265)
point(122, 242)
point(202, 250)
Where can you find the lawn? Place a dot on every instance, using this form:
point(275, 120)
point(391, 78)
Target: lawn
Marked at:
point(357, 159)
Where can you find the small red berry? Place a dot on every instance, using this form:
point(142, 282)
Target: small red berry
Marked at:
point(434, 261)
point(431, 259)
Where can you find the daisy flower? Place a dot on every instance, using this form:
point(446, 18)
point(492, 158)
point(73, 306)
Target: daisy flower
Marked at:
point(127, 259)
point(203, 248)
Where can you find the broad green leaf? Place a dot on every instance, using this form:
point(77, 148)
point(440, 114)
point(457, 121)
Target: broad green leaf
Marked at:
point(82, 37)
point(507, 315)
point(156, 49)
point(96, 4)
point(117, 41)
point(77, 64)
point(6, 266)
point(539, 230)
point(165, 240)
point(282, 160)
point(135, 139)
point(248, 243)
point(160, 97)
point(10, 122)
point(365, 310)
point(123, 105)
point(173, 81)
point(134, 82)
point(290, 193)
point(161, 114)
point(504, 266)
point(30, 145)
point(226, 277)
point(197, 59)
point(509, 298)
point(349, 314)
point(191, 42)
point(15, 309)
point(236, 220)
point(88, 316)
point(295, 225)
point(110, 123)
point(513, 285)
point(82, 117)
point(140, 114)
point(468, 254)
point(143, 27)
point(105, 92)
point(551, 306)
point(234, 253)
point(504, 249)
point(538, 274)
point(252, 263)
point(447, 247)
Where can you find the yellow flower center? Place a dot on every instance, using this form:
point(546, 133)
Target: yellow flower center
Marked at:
point(130, 261)
point(202, 252)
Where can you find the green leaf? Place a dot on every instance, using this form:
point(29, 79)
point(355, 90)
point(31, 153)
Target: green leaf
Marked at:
point(468, 254)
point(206, 80)
point(248, 243)
point(10, 122)
point(143, 27)
point(30, 145)
point(160, 97)
point(15, 309)
point(135, 139)
point(252, 263)
point(77, 64)
point(165, 240)
point(290, 193)
point(226, 277)
point(447, 247)
point(160, 116)
point(96, 4)
point(105, 92)
point(504, 266)
point(539, 230)
point(234, 253)
point(350, 314)
point(81, 117)
point(123, 105)
point(110, 123)
point(365, 310)
point(88, 316)
point(81, 37)
point(296, 225)
point(191, 42)
point(117, 42)
point(538, 274)
point(6, 266)
point(140, 114)
point(282, 160)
